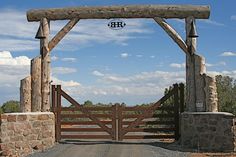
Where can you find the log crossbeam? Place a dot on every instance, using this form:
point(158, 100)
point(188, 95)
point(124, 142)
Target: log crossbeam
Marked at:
point(62, 33)
point(125, 11)
point(172, 33)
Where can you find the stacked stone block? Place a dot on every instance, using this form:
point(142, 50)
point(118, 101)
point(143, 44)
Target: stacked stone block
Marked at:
point(208, 131)
point(24, 133)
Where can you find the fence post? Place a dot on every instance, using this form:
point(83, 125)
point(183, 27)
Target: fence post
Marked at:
point(54, 108)
point(176, 106)
point(58, 113)
point(181, 95)
point(120, 133)
point(114, 122)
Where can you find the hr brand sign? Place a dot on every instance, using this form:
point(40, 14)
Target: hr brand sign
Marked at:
point(116, 24)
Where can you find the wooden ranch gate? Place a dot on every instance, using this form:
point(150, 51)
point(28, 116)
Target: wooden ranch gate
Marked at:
point(157, 121)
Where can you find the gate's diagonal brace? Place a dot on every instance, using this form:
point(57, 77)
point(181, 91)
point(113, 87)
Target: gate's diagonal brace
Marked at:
point(93, 118)
point(61, 34)
point(148, 111)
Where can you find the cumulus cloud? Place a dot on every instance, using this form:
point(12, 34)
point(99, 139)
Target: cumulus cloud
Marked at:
point(63, 70)
point(7, 59)
point(69, 59)
point(228, 54)
point(18, 34)
point(124, 55)
point(233, 17)
point(139, 56)
point(177, 65)
point(54, 58)
point(66, 84)
point(97, 73)
point(12, 70)
point(225, 72)
point(217, 64)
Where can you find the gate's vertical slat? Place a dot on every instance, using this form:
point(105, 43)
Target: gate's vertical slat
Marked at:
point(114, 116)
point(181, 95)
point(58, 112)
point(120, 119)
point(176, 103)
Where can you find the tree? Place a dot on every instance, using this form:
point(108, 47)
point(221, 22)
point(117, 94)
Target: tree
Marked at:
point(226, 89)
point(11, 106)
point(88, 103)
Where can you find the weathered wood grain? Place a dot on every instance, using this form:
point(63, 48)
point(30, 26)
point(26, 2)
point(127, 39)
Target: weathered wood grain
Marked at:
point(125, 11)
point(45, 76)
point(61, 34)
point(25, 94)
point(172, 33)
point(36, 96)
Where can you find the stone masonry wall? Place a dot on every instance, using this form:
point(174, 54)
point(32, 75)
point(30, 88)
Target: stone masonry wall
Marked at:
point(24, 133)
point(208, 131)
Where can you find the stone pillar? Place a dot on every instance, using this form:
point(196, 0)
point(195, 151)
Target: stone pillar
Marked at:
point(22, 134)
point(208, 131)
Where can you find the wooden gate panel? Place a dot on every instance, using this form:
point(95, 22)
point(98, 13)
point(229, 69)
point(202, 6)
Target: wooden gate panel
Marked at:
point(117, 120)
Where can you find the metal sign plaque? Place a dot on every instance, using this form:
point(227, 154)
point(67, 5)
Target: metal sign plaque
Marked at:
point(116, 24)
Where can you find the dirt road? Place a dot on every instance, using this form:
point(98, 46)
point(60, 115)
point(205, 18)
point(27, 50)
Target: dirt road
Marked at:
point(112, 149)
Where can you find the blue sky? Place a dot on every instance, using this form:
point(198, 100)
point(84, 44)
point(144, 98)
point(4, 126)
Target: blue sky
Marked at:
point(93, 62)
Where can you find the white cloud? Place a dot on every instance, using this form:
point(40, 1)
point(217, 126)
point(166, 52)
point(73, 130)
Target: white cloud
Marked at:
point(54, 58)
point(69, 59)
point(7, 59)
point(177, 65)
point(212, 22)
point(152, 56)
point(139, 56)
point(18, 34)
point(227, 73)
point(233, 17)
point(217, 64)
point(97, 73)
point(63, 70)
point(66, 84)
point(228, 54)
point(124, 55)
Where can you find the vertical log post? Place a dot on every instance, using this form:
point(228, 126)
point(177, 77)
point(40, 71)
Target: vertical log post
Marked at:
point(190, 67)
point(25, 94)
point(176, 110)
point(114, 122)
point(36, 97)
point(120, 133)
point(45, 76)
point(181, 97)
point(58, 130)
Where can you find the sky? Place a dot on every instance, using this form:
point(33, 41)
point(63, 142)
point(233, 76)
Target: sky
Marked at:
point(93, 62)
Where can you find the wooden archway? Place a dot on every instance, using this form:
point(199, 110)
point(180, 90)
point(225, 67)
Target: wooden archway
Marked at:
point(196, 80)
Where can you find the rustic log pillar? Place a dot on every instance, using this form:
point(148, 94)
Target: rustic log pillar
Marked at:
point(211, 94)
point(25, 94)
point(45, 56)
point(36, 96)
point(200, 69)
point(190, 68)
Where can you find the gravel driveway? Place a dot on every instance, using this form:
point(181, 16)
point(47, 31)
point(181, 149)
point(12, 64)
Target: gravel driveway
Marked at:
point(131, 148)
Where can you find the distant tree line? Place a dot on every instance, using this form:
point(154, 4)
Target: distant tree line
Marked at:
point(226, 88)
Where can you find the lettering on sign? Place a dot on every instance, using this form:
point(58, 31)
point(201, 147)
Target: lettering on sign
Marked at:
point(116, 24)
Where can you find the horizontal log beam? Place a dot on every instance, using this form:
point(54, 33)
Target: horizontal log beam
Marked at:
point(126, 11)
